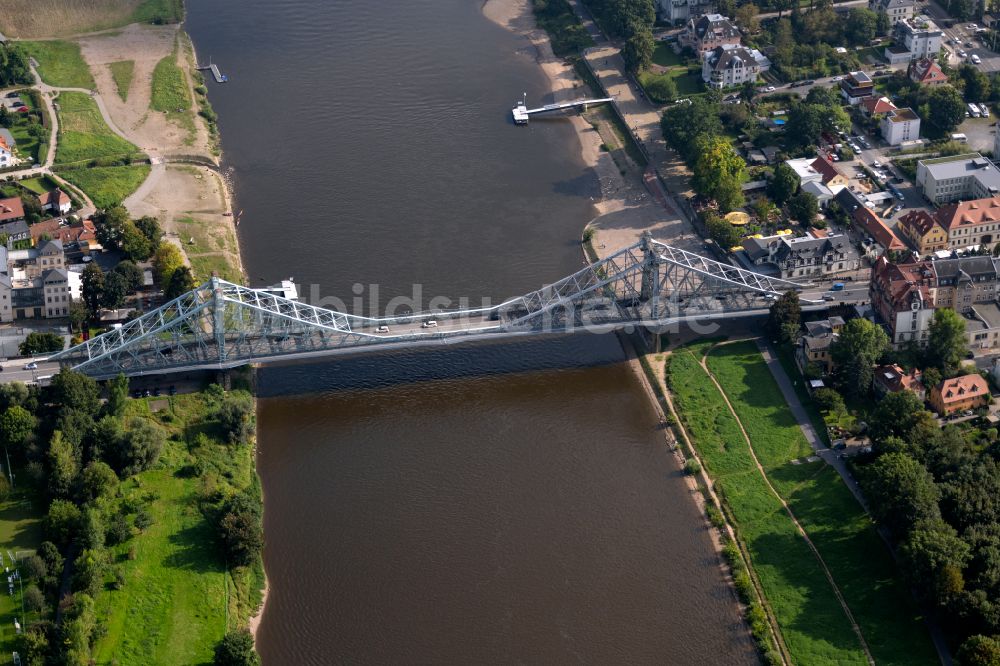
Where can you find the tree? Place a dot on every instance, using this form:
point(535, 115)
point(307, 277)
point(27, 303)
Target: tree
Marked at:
point(98, 480)
point(638, 50)
point(77, 315)
point(110, 226)
point(17, 425)
point(933, 558)
point(138, 449)
point(62, 522)
point(63, 465)
point(895, 416)
point(977, 84)
point(134, 243)
point(784, 317)
point(93, 288)
point(856, 349)
point(882, 24)
point(720, 230)
point(947, 343)
point(240, 529)
point(804, 207)
point(132, 274)
point(661, 88)
point(823, 96)
point(32, 208)
point(180, 283)
point(117, 395)
point(945, 110)
point(50, 555)
point(979, 650)
point(746, 17)
point(34, 568)
point(236, 649)
point(150, 228)
point(41, 343)
point(784, 184)
point(861, 26)
point(34, 600)
point(901, 493)
point(236, 416)
point(684, 124)
point(115, 291)
point(166, 260)
point(719, 172)
point(75, 390)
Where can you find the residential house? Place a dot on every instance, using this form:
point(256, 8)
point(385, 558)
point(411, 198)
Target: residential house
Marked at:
point(923, 231)
point(919, 35)
point(903, 297)
point(731, 65)
point(709, 31)
point(6, 299)
point(806, 171)
point(56, 202)
point(813, 348)
point(893, 379)
point(896, 10)
point(926, 72)
point(982, 325)
point(807, 256)
point(829, 174)
point(11, 209)
point(40, 286)
point(971, 223)
point(824, 195)
point(6, 149)
point(900, 125)
point(966, 281)
point(967, 176)
point(675, 11)
point(856, 87)
point(68, 235)
point(877, 107)
point(58, 289)
point(14, 231)
point(50, 255)
point(959, 394)
point(876, 228)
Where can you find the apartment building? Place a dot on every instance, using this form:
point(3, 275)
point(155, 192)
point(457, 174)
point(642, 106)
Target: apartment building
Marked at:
point(967, 176)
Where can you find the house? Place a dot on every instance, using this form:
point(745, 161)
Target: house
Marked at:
point(966, 176)
point(877, 107)
point(893, 379)
point(965, 282)
point(807, 256)
point(40, 286)
point(876, 228)
point(896, 10)
point(824, 195)
point(6, 149)
point(829, 174)
point(675, 11)
point(813, 348)
point(11, 209)
point(806, 171)
point(50, 255)
point(57, 291)
point(959, 394)
point(900, 125)
point(6, 299)
point(57, 202)
point(923, 231)
point(730, 65)
point(69, 235)
point(856, 87)
point(709, 31)
point(926, 72)
point(15, 231)
point(918, 35)
point(903, 297)
point(971, 223)
point(982, 326)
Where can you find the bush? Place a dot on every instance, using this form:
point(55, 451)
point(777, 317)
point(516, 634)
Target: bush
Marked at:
point(236, 649)
point(41, 343)
point(692, 467)
point(241, 530)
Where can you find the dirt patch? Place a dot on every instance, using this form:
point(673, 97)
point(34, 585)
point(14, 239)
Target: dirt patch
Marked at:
point(145, 45)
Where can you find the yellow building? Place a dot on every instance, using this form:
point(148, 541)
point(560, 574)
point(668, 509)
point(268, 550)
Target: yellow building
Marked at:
point(924, 232)
point(960, 394)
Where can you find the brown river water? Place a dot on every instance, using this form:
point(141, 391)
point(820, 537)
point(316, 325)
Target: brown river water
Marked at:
point(486, 503)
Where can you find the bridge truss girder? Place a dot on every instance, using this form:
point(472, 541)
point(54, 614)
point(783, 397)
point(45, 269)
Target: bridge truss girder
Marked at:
point(221, 325)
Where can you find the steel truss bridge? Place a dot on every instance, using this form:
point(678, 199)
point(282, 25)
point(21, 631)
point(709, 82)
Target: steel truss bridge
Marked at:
point(222, 325)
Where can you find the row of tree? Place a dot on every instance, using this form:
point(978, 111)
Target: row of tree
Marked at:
point(632, 21)
point(14, 67)
point(75, 450)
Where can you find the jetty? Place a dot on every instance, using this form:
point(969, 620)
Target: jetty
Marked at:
point(521, 112)
point(212, 67)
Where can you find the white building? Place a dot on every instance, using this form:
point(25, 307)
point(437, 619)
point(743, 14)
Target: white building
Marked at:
point(969, 176)
point(6, 149)
point(900, 125)
point(896, 10)
point(920, 36)
point(804, 169)
point(731, 65)
point(681, 10)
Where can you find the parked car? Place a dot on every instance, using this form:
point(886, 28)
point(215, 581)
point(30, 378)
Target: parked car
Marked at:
point(429, 324)
point(769, 89)
point(985, 110)
point(382, 329)
point(975, 59)
point(837, 78)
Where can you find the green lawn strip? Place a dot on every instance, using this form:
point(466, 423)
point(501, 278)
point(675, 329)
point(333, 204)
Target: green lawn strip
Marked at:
point(20, 534)
point(39, 185)
point(812, 622)
point(83, 135)
point(122, 72)
point(204, 265)
point(159, 11)
point(785, 357)
point(175, 602)
point(27, 145)
point(107, 186)
point(170, 92)
point(61, 64)
point(838, 526)
point(664, 56)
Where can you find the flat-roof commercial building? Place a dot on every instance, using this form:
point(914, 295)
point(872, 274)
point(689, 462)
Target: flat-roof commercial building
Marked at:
point(920, 36)
point(900, 125)
point(968, 176)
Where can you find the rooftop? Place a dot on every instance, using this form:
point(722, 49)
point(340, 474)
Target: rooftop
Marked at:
point(958, 166)
point(902, 115)
point(961, 388)
point(989, 313)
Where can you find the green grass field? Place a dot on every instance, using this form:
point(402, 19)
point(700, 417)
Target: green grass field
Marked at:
point(171, 94)
point(27, 145)
point(838, 526)
point(83, 135)
point(60, 64)
point(107, 186)
point(20, 534)
point(159, 11)
point(39, 185)
point(122, 73)
point(812, 622)
point(178, 596)
point(664, 56)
